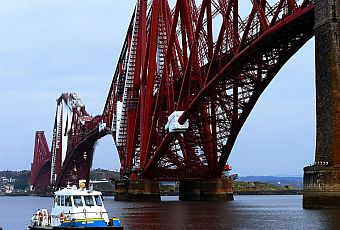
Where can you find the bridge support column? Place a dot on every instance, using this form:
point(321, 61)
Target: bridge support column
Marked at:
point(206, 190)
point(137, 190)
point(121, 190)
point(189, 190)
point(322, 180)
point(151, 191)
point(219, 189)
point(144, 190)
point(321, 187)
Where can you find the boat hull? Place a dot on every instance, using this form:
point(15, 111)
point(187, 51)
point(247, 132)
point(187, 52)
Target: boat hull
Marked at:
point(84, 228)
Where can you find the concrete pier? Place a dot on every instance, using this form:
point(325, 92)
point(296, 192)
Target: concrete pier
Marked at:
point(121, 190)
point(151, 191)
point(189, 190)
point(321, 187)
point(216, 189)
point(137, 190)
point(322, 179)
point(206, 190)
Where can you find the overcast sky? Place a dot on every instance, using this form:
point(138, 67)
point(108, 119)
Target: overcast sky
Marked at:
point(50, 47)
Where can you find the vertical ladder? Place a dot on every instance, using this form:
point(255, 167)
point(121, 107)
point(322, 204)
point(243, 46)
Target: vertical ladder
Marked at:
point(57, 135)
point(128, 87)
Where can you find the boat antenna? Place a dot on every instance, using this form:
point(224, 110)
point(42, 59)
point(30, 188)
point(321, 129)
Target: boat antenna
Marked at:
point(91, 186)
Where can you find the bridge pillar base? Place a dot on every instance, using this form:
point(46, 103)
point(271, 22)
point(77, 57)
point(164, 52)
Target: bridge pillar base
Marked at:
point(121, 190)
point(189, 190)
point(139, 190)
point(151, 191)
point(136, 190)
point(216, 190)
point(206, 190)
point(144, 190)
point(321, 187)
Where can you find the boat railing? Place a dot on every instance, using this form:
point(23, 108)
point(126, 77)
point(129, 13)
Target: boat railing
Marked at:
point(40, 219)
point(71, 215)
point(84, 212)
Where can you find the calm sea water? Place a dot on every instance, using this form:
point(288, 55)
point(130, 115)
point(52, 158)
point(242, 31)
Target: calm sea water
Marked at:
point(245, 212)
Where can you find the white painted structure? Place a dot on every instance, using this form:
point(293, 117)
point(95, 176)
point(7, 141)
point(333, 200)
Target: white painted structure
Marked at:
point(66, 104)
point(173, 125)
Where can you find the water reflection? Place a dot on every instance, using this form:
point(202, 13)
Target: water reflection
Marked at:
point(245, 212)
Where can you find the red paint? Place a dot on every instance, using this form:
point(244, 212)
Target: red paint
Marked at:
point(169, 61)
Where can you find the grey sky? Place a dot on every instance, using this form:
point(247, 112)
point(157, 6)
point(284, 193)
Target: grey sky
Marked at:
point(50, 47)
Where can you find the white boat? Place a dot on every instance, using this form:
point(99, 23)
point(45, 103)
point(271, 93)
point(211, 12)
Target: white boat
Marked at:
point(75, 208)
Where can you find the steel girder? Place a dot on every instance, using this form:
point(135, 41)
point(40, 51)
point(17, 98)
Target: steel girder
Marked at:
point(82, 134)
point(207, 62)
point(173, 60)
point(41, 166)
point(74, 136)
point(78, 161)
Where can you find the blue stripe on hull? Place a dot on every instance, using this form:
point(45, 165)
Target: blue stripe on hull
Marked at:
point(85, 223)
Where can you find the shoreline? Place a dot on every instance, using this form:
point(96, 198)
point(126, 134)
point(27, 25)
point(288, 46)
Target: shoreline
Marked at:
point(236, 193)
point(270, 192)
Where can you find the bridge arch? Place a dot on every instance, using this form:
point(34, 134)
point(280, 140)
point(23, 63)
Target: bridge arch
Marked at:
point(106, 155)
point(179, 98)
point(281, 127)
point(241, 67)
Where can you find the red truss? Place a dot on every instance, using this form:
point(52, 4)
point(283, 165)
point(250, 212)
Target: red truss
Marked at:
point(82, 135)
point(207, 62)
point(74, 136)
point(41, 166)
point(186, 80)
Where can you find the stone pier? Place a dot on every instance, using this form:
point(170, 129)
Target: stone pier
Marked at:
point(189, 190)
point(151, 191)
point(321, 186)
point(137, 190)
point(216, 189)
point(206, 190)
point(121, 190)
point(322, 179)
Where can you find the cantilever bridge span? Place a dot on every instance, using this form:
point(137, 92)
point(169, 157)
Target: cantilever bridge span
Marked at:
point(186, 80)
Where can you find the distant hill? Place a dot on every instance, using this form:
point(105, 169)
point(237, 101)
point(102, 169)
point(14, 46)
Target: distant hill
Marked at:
point(104, 174)
point(19, 179)
point(296, 182)
point(22, 178)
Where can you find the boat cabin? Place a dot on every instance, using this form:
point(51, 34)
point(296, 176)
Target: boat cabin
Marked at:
point(72, 204)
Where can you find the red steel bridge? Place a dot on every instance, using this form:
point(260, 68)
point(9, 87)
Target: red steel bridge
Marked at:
point(187, 78)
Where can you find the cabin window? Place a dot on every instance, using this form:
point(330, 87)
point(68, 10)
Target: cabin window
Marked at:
point(68, 201)
point(88, 200)
point(58, 200)
point(98, 200)
point(62, 200)
point(77, 201)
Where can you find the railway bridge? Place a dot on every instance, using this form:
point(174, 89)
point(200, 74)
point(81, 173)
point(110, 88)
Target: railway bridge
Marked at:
point(186, 80)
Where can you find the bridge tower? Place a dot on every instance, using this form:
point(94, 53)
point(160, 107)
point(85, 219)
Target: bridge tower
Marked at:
point(322, 179)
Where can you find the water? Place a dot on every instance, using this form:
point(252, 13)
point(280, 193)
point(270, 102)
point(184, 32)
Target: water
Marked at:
point(245, 212)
